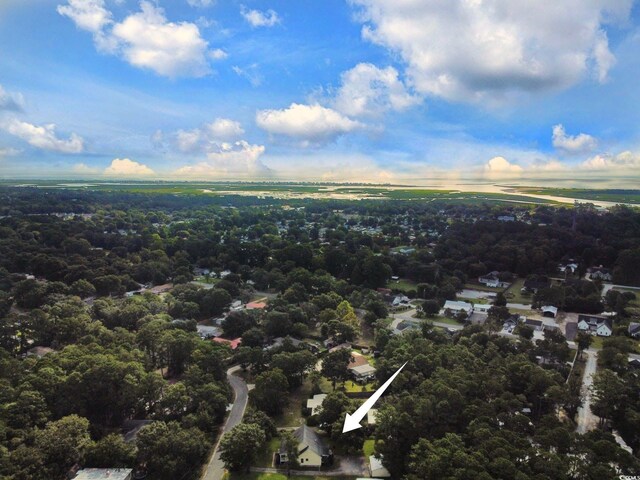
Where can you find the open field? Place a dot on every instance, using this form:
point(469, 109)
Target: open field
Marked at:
point(607, 195)
point(514, 295)
point(402, 285)
point(286, 191)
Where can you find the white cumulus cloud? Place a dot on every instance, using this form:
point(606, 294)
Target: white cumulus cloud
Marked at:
point(626, 160)
point(202, 139)
point(580, 143)
point(256, 18)
point(146, 39)
point(124, 167)
point(43, 137)
point(501, 167)
point(367, 90)
point(308, 123)
point(84, 169)
point(489, 50)
point(237, 159)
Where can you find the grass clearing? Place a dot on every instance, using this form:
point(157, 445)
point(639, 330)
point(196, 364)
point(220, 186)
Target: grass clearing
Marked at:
point(515, 295)
point(402, 285)
point(368, 447)
point(292, 416)
point(353, 387)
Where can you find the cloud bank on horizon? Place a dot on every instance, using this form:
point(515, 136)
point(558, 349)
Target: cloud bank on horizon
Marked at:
point(379, 91)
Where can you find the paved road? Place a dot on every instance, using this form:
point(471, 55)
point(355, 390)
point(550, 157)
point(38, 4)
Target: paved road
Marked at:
point(586, 419)
point(215, 468)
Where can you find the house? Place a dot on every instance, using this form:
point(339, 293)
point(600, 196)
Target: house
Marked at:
point(312, 452)
point(363, 372)
point(235, 343)
point(207, 331)
point(314, 404)
point(634, 363)
point(549, 311)
point(456, 307)
point(600, 273)
point(491, 279)
point(400, 301)
point(634, 330)
point(104, 474)
point(533, 284)
point(158, 289)
point(506, 218)
point(376, 468)
point(256, 305)
point(511, 323)
point(595, 325)
point(535, 324)
point(236, 305)
point(279, 341)
point(568, 268)
point(482, 308)
point(39, 351)
point(372, 416)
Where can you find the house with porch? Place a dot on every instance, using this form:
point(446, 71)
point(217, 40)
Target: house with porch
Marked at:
point(595, 325)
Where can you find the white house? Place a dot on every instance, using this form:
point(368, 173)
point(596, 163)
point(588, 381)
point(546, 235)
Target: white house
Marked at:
point(315, 403)
point(104, 474)
point(312, 452)
point(376, 468)
point(492, 280)
point(455, 307)
point(549, 311)
point(363, 372)
point(594, 325)
point(482, 307)
point(400, 301)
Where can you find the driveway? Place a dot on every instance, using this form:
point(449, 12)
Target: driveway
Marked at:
point(215, 468)
point(586, 419)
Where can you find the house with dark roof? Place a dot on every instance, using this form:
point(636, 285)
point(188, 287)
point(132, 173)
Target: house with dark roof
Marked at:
point(312, 451)
point(600, 273)
point(492, 279)
point(533, 284)
point(634, 330)
point(535, 324)
point(595, 325)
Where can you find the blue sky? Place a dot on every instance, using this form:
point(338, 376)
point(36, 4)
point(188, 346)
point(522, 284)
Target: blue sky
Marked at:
point(419, 91)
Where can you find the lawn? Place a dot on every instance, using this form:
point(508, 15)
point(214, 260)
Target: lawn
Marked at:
point(368, 447)
point(402, 285)
point(292, 415)
point(480, 287)
point(481, 301)
point(447, 320)
point(265, 457)
point(514, 295)
point(352, 387)
point(596, 342)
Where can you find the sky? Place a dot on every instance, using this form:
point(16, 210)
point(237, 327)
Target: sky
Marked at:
point(377, 91)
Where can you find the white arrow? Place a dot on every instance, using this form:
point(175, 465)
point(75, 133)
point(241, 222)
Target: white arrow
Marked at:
point(352, 422)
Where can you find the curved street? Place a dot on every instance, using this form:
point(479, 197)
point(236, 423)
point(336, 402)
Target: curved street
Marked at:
point(215, 467)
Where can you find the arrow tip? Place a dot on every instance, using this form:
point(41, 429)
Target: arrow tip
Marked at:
point(350, 423)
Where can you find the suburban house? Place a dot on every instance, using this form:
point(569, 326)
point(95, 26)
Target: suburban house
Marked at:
point(600, 326)
point(549, 311)
point(256, 306)
point(534, 284)
point(363, 372)
point(600, 273)
point(233, 344)
point(372, 416)
point(376, 468)
point(634, 330)
point(455, 307)
point(208, 331)
point(511, 322)
point(312, 452)
point(482, 307)
point(104, 474)
point(568, 267)
point(535, 324)
point(506, 218)
point(314, 404)
point(400, 301)
point(492, 280)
